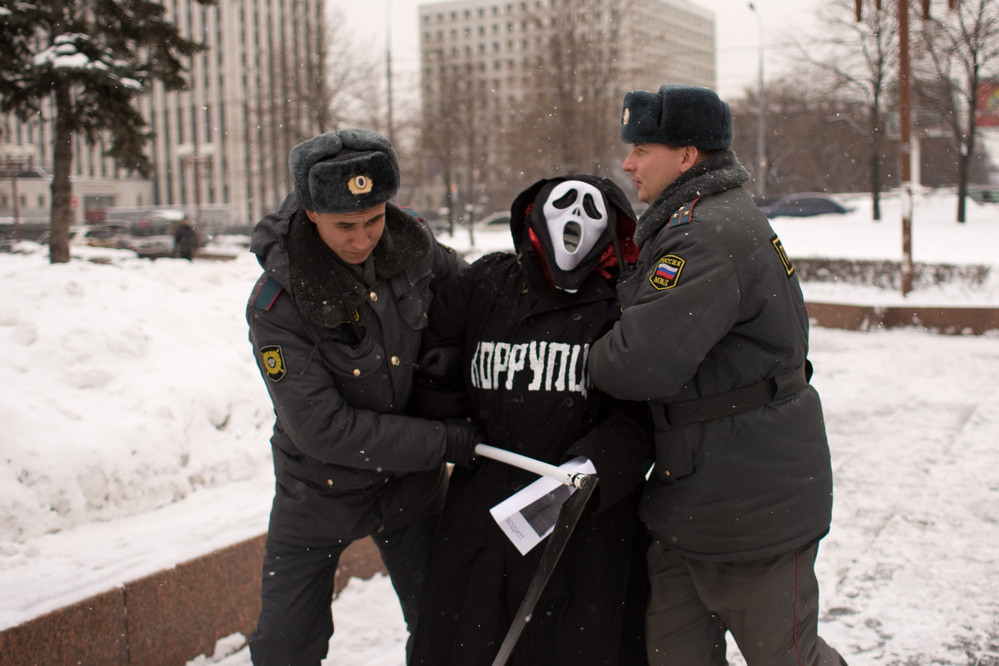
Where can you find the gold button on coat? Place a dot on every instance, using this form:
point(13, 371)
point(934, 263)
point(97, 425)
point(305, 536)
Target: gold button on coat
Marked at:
point(357, 373)
point(394, 360)
point(373, 296)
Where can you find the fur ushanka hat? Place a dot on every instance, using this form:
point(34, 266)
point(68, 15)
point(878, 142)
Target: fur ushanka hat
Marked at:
point(345, 171)
point(677, 116)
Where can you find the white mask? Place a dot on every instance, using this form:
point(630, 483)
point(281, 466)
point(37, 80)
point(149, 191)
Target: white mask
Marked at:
point(576, 215)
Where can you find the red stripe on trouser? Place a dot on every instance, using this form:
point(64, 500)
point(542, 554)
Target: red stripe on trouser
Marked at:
point(794, 626)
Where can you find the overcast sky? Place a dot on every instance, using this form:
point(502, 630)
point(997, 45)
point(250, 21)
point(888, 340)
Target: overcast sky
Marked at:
point(738, 31)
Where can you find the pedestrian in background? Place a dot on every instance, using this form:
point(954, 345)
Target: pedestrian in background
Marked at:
point(185, 240)
point(336, 321)
point(714, 337)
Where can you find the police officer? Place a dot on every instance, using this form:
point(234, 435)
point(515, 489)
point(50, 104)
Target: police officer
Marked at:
point(336, 322)
point(714, 337)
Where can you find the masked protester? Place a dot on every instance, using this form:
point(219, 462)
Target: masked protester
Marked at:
point(335, 322)
point(714, 338)
point(507, 344)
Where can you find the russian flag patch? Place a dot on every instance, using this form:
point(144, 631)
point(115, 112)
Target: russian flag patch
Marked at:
point(666, 272)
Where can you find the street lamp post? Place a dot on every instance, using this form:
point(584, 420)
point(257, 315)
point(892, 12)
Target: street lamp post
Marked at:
point(761, 136)
point(193, 156)
point(905, 145)
point(388, 67)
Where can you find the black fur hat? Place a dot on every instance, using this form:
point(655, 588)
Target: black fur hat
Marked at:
point(677, 116)
point(345, 171)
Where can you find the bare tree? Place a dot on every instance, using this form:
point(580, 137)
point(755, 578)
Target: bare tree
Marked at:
point(859, 58)
point(350, 71)
point(321, 78)
point(962, 49)
point(456, 134)
point(573, 105)
point(545, 99)
point(806, 150)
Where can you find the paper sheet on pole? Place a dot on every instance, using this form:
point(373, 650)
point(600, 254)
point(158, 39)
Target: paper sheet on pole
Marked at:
point(528, 516)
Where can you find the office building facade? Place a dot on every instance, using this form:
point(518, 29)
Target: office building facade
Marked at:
point(536, 85)
point(221, 145)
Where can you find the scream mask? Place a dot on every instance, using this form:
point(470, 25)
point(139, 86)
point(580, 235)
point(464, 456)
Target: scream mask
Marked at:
point(573, 223)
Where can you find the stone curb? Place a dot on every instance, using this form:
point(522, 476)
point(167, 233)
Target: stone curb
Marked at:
point(167, 618)
point(946, 320)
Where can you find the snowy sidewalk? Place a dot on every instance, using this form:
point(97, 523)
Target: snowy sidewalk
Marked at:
point(910, 570)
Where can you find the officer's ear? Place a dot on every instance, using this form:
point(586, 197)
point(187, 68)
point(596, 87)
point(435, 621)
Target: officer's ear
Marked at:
point(691, 156)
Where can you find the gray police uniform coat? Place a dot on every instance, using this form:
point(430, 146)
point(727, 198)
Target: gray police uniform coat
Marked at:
point(338, 356)
point(714, 306)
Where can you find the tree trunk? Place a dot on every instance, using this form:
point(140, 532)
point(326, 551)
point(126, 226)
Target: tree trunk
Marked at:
point(62, 159)
point(962, 185)
point(964, 161)
point(876, 176)
point(62, 188)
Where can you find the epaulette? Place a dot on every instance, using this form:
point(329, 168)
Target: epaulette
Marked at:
point(411, 212)
point(267, 292)
point(682, 214)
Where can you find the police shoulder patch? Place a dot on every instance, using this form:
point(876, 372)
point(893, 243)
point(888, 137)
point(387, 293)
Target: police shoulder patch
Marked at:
point(666, 272)
point(785, 260)
point(266, 293)
point(272, 361)
point(682, 214)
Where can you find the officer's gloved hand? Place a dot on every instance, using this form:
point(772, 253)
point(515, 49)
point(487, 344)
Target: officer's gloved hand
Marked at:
point(462, 436)
point(440, 362)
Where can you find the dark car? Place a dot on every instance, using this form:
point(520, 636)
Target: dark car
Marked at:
point(805, 205)
point(983, 194)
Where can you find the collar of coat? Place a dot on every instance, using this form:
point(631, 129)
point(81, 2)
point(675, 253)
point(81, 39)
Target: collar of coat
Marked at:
point(718, 172)
point(330, 292)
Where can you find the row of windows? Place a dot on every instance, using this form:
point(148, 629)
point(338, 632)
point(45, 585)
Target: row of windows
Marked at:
point(22, 200)
point(525, 25)
point(480, 12)
point(483, 49)
point(671, 13)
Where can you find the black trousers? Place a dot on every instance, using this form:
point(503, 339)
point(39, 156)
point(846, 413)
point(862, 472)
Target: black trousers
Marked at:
point(296, 619)
point(770, 607)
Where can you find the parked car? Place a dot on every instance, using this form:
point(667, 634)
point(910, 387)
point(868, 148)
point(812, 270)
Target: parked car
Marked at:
point(153, 237)
point(983, 194)
point(805, 204)
point(498, 220)
point(93, 235)
point(151, 247)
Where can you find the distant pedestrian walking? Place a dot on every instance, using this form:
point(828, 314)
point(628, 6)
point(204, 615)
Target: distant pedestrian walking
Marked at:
point(185, 239)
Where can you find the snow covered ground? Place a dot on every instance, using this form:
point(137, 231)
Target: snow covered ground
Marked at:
point(136, 426)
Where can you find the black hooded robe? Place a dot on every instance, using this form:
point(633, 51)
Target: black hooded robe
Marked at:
point(524, 349)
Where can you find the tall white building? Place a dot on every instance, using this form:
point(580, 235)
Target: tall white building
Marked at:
point(253, 94)
point(659, 41)
point(530, 65)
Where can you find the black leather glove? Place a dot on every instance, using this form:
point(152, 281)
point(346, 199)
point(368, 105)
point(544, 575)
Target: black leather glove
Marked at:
point(440, 362)
point(461, 438)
